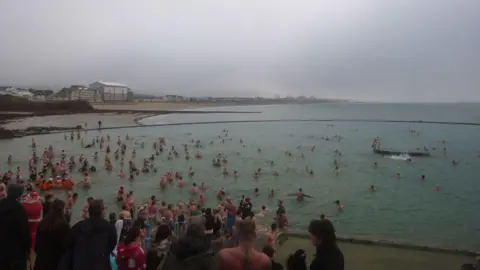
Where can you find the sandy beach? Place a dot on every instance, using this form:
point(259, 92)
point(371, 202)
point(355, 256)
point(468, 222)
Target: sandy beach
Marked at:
point(72, 120)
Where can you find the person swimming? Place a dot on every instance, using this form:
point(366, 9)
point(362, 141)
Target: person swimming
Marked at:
point(339, 205)
point(422, 179)
point(372, 188)
point(300, 195)
point(194, 188)
point(256, 192)
point(120, 194)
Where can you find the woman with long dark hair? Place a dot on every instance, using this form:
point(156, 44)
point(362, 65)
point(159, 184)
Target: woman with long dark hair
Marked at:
point(159, 247)
point(53, 235)
point(328, 255)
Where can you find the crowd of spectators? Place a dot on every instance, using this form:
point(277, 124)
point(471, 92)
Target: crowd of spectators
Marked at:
point(96, 243)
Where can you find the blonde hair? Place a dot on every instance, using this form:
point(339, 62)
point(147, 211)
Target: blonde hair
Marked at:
point(246, 229)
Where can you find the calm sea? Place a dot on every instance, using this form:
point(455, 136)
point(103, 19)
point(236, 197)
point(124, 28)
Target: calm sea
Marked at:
point(401, 208)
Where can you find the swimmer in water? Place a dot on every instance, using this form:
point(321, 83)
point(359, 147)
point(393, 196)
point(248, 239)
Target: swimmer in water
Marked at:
point(120, 194)
point(235, 173)
point(180, 183)
point(397, 175)
point(454, 163)
point(121, 174)
point(372, 188)
point(339, 205)
point(308, 170)
point(194, 188)
point(256, 192)
point(300, 195)
point(203, 187)
point(375, 164)
point(337, 170)
point(275, 173)
point(422, 179)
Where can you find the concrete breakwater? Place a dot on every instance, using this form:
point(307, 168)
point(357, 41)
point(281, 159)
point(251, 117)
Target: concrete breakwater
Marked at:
point(382, 242)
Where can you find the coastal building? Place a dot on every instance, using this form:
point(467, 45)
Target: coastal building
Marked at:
point(40, 95)
point(85, 93)
point(174, 98)
point(11, 91)
point(4, 90)
point(111, 92)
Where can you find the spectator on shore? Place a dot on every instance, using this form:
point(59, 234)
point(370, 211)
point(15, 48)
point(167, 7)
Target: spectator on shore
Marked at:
point(191, 252)
point(112, 218)
point(159, 247)
point(328, 255)
point(244, 256)
point(130, 256)
point(270, 252)
point(47, 204)
point(3, 190)
point(52, 238)
point(209, 222)
point(93, 241)
point(15, 237)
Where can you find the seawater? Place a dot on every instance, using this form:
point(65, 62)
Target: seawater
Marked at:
point(402, 208)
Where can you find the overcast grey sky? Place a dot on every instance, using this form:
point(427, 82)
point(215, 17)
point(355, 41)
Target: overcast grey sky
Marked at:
point(391, 50)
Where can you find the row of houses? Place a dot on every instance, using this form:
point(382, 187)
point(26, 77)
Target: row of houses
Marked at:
point(94, 93)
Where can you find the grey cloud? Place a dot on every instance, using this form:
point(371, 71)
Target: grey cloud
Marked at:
point(398, 50)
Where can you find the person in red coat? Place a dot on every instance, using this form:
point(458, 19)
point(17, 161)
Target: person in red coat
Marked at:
point(130, 256)
point(33, 207)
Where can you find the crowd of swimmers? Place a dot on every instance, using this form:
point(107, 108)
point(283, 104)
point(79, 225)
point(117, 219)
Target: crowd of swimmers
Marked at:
point(56, 170)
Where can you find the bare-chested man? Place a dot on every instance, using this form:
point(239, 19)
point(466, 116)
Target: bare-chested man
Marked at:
point(244, 256)
point(71, 202)
point(231, 214)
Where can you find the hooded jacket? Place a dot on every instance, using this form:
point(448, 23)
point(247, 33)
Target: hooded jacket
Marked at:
point(189, 253)
point(14, 231)
point(93, 240)
point(130, 257)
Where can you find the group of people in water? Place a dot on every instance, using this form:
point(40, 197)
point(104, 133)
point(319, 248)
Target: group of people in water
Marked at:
point(56, 170)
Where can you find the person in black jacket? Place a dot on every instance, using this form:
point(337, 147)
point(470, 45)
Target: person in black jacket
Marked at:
point(328, 255)
point(15, 235)
point(92, 242)
point(191, 252)
point(52, 236)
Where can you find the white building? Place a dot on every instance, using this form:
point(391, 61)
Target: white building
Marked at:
point(111, 91)
point(8, 90)
point(85, 93)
